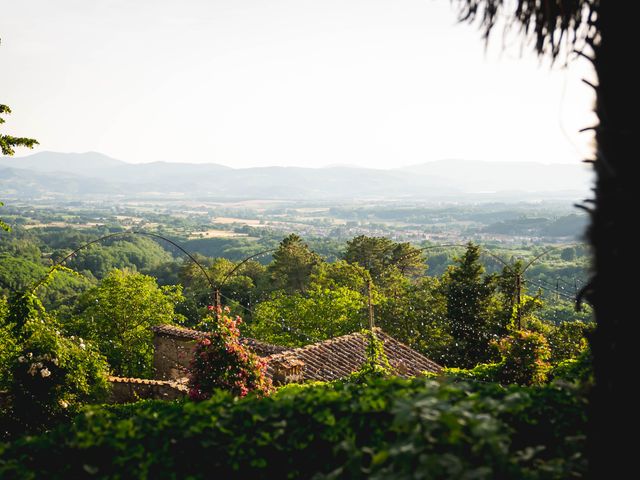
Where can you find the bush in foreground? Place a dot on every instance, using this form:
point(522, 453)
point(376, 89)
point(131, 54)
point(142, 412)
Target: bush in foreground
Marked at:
point(391, 428)
point(47, 376)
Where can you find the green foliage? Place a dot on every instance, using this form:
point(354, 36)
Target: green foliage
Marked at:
point(298, 319)
point(390, 428)
point(557, 311)
point(415, 314)
point(340, 274)
point(8, 345)
point(483, 372)
point(7, 144)
point(139, 253)
point(118, 315)
point(376, 364)
point(292, 264)
point(525, 356)
point(568, 340)
point(47, 375)
point(378, 254)
point(220, 361)
point(17, 273)
point(524, 361)
point(371, 253)
point(577, 370)
point(469, 297)
point(239, 284)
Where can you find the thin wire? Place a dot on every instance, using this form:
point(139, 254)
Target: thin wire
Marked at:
point(121, 234)
point(572, 298)
point(295, 330)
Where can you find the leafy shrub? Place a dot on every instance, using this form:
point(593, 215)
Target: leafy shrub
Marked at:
point(575, 370)
point(392, 428)
point(49, 376)
point(525, 358)
point(8, 349)
point(524, 361)
point(568, 340)
point(221, 361)
point(484, 372)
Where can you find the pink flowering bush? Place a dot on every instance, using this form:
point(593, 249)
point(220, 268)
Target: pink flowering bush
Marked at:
point(221, 362)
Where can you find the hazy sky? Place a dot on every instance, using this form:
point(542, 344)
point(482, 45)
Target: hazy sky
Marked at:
point(378, 83)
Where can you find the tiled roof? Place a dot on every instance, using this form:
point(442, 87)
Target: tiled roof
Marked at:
point(338, 357)
point(146, 381)
point(178, 332)
point(260, 348)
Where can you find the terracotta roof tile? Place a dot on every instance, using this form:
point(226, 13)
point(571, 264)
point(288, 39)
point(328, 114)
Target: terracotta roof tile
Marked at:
point(178, 332)
point(262, 349)
point(146, 381)
point(339, 357)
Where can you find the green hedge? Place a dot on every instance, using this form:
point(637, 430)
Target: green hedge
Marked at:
point(391, 428)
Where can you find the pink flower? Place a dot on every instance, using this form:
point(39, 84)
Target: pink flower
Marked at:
point(210, 307)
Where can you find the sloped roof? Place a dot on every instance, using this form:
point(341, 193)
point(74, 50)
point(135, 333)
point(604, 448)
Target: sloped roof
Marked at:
point(178, 332)
point(339, 357)
point(147, 381)
point(260, 348)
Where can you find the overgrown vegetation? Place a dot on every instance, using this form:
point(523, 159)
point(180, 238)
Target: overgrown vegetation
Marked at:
point(47, 376)
point(220, 361)
point(299, 297)
point(387, 429)
point(482, 319)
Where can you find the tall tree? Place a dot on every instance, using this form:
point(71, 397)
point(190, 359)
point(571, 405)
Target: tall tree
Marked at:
point(370, 253)
point(603, 31)
point(469, 294)
point(118, 315)
point(292, 264)
point(379, 254)
point(415, 314)
point(298, 319)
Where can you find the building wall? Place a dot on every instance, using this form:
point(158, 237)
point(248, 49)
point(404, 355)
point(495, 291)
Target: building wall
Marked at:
point(172, 356)
point(126, 392)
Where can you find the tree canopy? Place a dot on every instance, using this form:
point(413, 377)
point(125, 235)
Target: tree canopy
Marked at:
point(118, 315)
point(8, 143)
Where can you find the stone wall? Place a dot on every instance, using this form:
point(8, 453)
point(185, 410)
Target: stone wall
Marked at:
point(172, 356)
point(126, 390)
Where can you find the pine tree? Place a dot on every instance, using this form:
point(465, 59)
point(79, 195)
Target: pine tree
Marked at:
point(468, 293)
point(292, 264)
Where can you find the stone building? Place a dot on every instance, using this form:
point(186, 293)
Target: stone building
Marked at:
point(322, 361)
point(174, 347)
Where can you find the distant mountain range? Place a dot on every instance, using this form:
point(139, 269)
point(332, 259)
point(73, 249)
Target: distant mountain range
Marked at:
point(51, 174)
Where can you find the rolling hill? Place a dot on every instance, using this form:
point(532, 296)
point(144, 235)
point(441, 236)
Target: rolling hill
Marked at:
point(93, 174)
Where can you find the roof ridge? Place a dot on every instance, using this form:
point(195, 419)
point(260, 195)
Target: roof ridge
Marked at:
point(143, 381)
